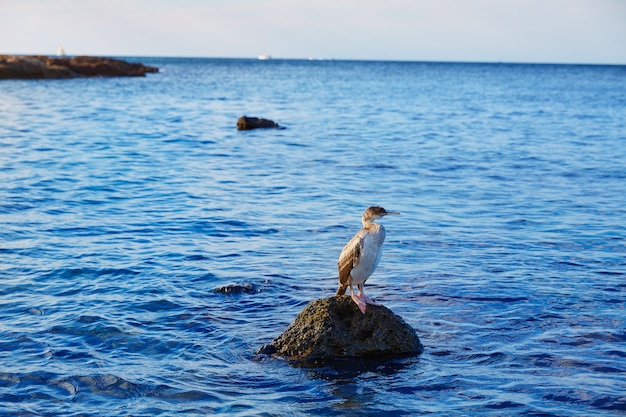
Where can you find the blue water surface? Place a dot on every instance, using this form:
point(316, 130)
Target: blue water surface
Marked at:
point(126, 202)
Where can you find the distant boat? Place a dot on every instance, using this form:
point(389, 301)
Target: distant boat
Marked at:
point(265, 57)
point(61, 51)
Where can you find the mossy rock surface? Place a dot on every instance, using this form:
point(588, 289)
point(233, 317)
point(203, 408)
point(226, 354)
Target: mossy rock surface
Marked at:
point(335, 328)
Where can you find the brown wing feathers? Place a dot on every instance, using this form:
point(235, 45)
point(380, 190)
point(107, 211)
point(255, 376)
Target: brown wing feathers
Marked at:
point(348, 259)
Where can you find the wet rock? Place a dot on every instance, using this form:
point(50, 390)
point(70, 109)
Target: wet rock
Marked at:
point(249, 123)
point(43, 67)
point(335, 328)
point(236, 289)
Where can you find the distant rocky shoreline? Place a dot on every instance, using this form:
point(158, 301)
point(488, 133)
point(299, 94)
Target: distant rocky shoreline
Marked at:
point(44, 67)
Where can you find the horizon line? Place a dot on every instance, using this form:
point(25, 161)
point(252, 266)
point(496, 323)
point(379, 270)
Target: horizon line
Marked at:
point(320, 59)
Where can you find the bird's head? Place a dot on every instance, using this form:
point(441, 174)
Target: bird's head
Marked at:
point(375, 212)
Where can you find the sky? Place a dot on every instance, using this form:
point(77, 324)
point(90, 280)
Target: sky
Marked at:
point(537, 31)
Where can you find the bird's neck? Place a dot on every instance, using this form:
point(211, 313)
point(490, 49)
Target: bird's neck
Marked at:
point(369, 224)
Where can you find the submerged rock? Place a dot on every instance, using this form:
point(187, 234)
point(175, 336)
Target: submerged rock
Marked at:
point(335, 328)
point(236, 289)
point(44, 67)
point(249, 123)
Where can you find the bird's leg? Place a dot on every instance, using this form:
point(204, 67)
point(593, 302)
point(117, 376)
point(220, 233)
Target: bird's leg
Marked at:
point(360, 302)
point(364, 297)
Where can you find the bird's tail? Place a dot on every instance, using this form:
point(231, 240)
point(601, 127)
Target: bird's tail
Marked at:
point(342, 289)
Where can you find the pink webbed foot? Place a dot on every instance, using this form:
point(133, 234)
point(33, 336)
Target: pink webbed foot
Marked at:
point(360, 302)
point(368, 300)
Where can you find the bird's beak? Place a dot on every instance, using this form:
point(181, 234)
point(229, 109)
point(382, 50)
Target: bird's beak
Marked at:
point(392, 212)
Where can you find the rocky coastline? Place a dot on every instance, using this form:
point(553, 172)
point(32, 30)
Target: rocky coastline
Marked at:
point(45, 67)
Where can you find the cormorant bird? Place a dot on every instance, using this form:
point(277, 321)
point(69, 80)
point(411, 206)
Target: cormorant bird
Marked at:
point(360, 257)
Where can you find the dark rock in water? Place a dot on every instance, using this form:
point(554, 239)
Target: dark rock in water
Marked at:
point(335, 328)
point(236, 289)
point(43, 67)
point(249, 123)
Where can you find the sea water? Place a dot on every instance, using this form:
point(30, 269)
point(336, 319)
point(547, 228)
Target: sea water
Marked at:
point(126, 204)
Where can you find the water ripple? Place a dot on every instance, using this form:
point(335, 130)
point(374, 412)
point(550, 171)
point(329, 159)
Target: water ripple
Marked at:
point(148, 249)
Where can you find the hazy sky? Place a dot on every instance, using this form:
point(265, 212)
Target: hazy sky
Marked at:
point(574, 31)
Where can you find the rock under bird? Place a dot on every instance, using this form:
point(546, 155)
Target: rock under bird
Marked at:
point(360, 257)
